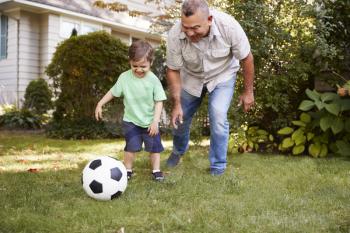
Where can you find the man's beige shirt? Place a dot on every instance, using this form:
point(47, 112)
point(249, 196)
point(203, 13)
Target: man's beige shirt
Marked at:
point(213, 60)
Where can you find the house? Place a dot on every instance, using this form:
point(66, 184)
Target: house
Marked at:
point(31, 29)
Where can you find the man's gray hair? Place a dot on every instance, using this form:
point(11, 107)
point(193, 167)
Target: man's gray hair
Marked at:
point(190, 7)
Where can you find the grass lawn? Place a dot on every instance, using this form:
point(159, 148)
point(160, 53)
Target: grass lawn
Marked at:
point(258, 193)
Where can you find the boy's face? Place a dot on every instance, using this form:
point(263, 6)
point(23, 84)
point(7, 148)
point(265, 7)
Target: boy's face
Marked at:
point(140, 68)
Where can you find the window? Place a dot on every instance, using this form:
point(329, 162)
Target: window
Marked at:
point(3, 36)
point(67, 28)
point(68, 25)
point(85, 29)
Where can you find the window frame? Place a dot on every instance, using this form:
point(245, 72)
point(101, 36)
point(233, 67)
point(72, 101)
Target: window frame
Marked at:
point(79, 23)
point(3, 36)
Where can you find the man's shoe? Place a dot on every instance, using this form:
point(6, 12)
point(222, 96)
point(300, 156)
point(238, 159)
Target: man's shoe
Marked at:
point(217, 172)
point(173, 160)
point(158, 176)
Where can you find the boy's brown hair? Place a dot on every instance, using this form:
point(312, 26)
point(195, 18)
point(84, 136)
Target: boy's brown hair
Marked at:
point(140, 49)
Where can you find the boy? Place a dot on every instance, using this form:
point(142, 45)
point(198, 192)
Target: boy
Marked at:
point(142, 95)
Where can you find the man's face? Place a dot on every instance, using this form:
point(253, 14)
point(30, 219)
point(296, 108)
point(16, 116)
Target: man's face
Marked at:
point(196, 26)
point(140, 68)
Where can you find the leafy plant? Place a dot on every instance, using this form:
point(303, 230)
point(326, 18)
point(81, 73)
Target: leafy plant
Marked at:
point(82, 129)
point(301, 139)
point(331, 114)
point(38, 97)
point(14, 118)
point(248, 139)
point(324, 125)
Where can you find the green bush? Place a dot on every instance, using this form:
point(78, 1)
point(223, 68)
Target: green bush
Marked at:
point(332, 53)
point(281, 38)
point(323, 127)
point(38, 97)
point(159, 63)
point(82, 70)
point(14, 118)
point(82, 129)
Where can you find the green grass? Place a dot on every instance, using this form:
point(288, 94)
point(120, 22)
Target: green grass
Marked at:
point(258, 193)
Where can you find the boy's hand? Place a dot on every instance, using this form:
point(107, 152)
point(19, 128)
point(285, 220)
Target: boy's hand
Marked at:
point(153, 129)
point(98, 112)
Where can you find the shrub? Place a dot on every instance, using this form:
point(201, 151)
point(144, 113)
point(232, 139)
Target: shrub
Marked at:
point(38, 97)
point(14, 118)
point(323, 126)
point(83, 69)
point(159, 63)
point(82, 129)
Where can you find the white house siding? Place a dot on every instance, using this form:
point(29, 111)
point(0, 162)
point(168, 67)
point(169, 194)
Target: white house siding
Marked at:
point(29, 53)
point(154, 43)
point(124, 37)
point(49, 38)
point(8, 66)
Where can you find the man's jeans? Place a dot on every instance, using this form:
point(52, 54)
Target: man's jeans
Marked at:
point(219, 103)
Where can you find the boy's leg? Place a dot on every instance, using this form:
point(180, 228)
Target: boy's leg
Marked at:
point(155, 161)
point(153, 145)
point(133, 143)
point(129, 158)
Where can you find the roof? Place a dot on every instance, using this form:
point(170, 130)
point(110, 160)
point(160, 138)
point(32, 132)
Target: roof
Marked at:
point(86, 7)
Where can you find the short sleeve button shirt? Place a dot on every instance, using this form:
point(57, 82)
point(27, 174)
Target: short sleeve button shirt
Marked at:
point(212, 60)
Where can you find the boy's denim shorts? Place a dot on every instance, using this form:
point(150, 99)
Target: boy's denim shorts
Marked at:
point(136, 135)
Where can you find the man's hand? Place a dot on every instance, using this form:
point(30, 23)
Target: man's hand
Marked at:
point(247, 100)
point(153, 129)
point(98, 112)
point(247, 97)
point(176, 115)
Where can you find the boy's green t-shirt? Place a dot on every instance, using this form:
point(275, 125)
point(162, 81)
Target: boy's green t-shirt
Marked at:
point(139, 96)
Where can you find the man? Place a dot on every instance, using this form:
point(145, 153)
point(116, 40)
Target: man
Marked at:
point(203, 54)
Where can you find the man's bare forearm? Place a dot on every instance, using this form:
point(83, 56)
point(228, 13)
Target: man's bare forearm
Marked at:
point(248, 73)
point(174, 82)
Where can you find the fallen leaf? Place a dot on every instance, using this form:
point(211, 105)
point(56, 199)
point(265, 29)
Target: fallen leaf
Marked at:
point(33, 170)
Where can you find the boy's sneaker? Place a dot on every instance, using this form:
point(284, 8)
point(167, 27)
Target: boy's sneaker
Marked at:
point(158, 176)
point(129, 174)
point(173, 160)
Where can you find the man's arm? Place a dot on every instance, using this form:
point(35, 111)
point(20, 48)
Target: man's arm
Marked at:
point(174, 82)
point(247, 97)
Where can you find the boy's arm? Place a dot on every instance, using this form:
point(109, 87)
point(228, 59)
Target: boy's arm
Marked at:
point(98, 111)
point(157, 111)
point(154, 127)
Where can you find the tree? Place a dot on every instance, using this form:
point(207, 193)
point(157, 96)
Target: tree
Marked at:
point(82, 70)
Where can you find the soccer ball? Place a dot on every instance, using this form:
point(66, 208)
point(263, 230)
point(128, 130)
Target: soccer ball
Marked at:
point(104, 178)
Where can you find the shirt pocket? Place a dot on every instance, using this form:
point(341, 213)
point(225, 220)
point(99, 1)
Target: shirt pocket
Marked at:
point(189, 56)
point(192, 60)
point(220, 53)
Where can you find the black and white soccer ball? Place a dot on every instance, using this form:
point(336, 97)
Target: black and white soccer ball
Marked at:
point(104, 178)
